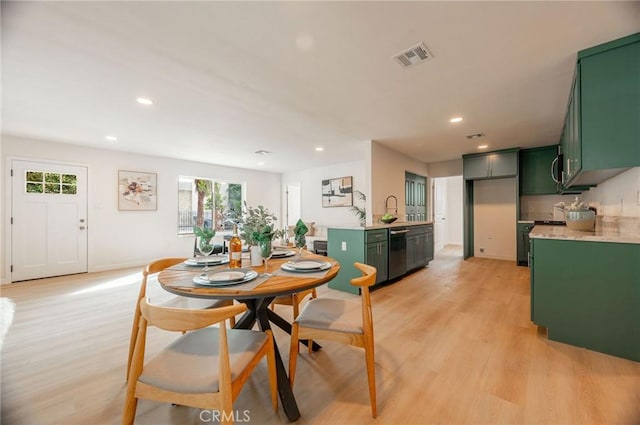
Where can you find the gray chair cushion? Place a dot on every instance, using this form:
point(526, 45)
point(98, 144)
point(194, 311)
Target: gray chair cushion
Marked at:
point(334, 314)
point(193, 303)
point(190, 364)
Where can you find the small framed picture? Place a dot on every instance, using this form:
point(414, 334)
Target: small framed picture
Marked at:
point(337, 192)
point(137, 191)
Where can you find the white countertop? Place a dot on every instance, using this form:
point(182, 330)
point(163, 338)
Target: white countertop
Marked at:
point(616, 231)
point(384, 226)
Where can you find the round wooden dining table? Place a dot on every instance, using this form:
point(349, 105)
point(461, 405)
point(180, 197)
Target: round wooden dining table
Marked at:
point(179, 280)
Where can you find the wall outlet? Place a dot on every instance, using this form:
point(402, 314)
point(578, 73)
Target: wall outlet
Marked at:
point(344, 245)
point(481, 249)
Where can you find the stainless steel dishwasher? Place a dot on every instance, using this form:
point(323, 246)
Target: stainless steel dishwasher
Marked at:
point(397, 252)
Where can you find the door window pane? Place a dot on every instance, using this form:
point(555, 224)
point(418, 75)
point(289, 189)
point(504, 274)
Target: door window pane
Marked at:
point(50, 182)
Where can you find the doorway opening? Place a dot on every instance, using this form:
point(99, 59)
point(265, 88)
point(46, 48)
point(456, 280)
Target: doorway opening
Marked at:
point(448, 215)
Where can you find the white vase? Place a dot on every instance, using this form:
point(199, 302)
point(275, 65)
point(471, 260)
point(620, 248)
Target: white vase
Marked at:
point(256, 257)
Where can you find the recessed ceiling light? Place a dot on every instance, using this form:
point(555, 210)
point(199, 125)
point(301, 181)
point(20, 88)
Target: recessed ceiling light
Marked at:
point(144, 101)
point(261, 163)
point(483, 146)
point(262, 152)
point(111, 138)
point(319, 149)
point(455, 119)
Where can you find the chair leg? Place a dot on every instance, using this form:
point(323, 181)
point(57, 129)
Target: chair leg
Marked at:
point(314, 294)
point(371, 375)
point(130, 405)
point(293, 353)
point(273, 374)
point(132, 340)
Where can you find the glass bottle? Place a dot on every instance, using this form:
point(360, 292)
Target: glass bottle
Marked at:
point(235, 249)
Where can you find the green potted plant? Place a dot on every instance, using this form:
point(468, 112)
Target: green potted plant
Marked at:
point(257, 225)
point(360, 212)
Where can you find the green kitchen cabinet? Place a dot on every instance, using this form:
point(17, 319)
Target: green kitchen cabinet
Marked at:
point(377, 252)
point(429, 247)
point(587, 294)
point(523, 243)
point(535, 171)
point(503, 163)
point(348, 245)
point(419, 246)
point(601, 133)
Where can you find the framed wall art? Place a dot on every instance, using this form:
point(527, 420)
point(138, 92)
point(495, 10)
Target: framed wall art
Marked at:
point(337, 192)
point(137, 191)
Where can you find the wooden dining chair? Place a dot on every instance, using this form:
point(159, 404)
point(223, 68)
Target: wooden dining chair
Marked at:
point(176, 301)
point(340, 320)
point(205, 368)
point(294, 300)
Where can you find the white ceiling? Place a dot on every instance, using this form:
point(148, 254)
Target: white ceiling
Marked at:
point(230, 78)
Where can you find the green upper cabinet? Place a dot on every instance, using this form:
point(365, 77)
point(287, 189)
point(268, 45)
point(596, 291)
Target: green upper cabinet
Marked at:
point(490, 165)
point(535, 171)
point(601, 136)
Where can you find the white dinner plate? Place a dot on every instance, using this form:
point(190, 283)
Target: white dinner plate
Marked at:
point(297, 267)
point(212, 260)
point(282, 254)
point(306, 264)
point(225, 278)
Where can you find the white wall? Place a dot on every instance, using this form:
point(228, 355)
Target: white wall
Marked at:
point(129, 238)
point(311, 192)
point(388, 175)
point(494, 221)
point(445, 168)
point(617, 197)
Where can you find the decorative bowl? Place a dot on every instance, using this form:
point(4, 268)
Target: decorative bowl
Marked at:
point(388, 220)
point(583, 220)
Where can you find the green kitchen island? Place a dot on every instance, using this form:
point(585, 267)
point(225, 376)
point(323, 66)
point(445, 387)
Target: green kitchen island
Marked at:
point(374, 245)
point(585, 286)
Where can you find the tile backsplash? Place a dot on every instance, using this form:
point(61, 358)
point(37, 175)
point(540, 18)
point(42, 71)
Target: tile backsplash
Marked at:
point(617, 197)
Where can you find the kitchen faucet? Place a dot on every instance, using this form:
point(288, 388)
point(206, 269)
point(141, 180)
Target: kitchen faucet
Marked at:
point(386, 204)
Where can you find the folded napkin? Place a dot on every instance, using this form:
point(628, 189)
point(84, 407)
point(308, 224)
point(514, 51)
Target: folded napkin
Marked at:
point(301, 229)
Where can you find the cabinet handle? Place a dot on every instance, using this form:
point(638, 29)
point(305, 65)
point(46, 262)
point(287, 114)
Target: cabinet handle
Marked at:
point(553, 176)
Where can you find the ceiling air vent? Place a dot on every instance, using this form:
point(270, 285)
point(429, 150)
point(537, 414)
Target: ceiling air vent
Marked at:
point(413, 56)
point(475, 136)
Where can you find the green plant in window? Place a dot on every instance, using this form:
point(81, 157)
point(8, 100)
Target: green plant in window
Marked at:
point(34, 176)
point(69, 179)
point(68, 189)
point(52, 178)
point(34, 188)
point(51, 188)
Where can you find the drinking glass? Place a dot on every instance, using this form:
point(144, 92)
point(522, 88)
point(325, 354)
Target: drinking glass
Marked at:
point(206, 248)
point(300, 244)
point(266, 251)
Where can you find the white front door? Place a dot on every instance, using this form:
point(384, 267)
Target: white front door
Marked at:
point(49, 220)
point(439, 215)
point(293, 204)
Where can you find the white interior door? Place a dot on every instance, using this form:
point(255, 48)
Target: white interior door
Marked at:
point(439, 213)
point(49, 220)
point(293, 204)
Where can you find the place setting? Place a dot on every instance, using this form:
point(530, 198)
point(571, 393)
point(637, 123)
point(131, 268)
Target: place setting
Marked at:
point(278, 253)
point(310, 268)
point(225, 277)
point(213, 260)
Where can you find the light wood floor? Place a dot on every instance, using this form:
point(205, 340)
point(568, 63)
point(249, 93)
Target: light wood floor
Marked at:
point(454, 345)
